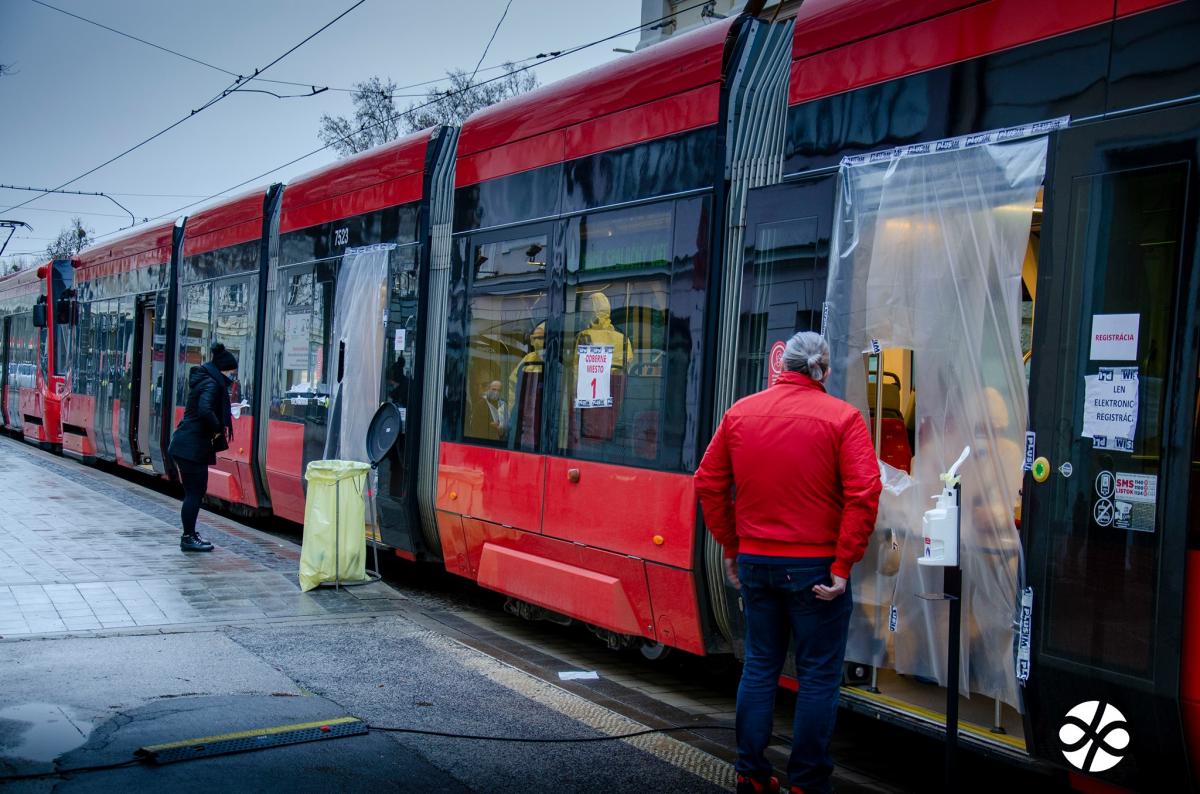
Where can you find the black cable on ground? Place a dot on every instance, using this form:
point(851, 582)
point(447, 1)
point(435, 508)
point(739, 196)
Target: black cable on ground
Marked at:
point(552, 740)
point(388, 729)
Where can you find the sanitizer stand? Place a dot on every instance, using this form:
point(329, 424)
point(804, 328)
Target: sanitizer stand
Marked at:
point(942, 530)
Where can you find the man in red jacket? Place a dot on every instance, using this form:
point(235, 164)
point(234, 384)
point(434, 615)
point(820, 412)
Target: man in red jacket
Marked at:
point(790, 487)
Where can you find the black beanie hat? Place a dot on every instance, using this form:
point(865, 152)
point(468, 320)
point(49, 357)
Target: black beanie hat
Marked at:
point(222, 359)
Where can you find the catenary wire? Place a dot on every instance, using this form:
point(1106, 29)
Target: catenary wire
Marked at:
point(223, 70)
point(550, 57)
point(224, 93)
point(488, 46)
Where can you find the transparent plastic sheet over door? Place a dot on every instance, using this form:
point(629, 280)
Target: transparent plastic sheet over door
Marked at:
point(357, 349)
point(927, 255)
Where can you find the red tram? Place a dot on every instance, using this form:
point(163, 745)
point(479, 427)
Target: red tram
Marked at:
point(927, 182)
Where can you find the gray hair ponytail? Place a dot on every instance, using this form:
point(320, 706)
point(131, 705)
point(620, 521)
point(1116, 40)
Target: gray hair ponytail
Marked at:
point(807, 353)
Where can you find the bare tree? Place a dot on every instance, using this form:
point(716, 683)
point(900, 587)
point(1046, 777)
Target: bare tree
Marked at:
point(377, 120)
point(7, 68)
point(454, 104)
point(71, 240)
point(17, 265)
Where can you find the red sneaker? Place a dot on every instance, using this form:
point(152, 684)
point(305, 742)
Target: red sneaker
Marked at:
point(748, 785)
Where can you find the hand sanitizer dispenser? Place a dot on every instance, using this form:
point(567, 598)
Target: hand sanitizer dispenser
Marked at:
point(940, 525)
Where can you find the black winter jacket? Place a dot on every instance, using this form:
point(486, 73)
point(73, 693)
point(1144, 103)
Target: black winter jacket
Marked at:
point(206, 418)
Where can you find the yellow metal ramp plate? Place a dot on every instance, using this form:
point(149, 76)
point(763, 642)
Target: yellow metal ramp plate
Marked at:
point(257, 739)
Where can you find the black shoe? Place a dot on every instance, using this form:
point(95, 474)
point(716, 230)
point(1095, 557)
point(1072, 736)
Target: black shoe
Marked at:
point(194, 543)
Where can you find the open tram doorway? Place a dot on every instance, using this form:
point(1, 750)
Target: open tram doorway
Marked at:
point(143, 389)
point(926, 291)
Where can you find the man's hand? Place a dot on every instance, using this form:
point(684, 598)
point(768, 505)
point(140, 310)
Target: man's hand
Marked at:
point(731, 574)
point(829, 593)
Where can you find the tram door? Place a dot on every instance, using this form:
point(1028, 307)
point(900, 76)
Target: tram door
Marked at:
point(783, 282)
point(397, 472)
point(5, 359)
point(1112, 405)
point(143, 388)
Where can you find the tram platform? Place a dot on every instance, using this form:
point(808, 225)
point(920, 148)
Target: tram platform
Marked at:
point(113, 641)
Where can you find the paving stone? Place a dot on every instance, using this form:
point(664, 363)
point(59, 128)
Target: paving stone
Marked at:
point(82, 550)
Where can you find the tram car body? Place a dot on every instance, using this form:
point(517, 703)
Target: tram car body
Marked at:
point(35, 351)
point(678, 213)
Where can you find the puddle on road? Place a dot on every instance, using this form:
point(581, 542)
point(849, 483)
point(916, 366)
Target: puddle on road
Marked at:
point(40, 731)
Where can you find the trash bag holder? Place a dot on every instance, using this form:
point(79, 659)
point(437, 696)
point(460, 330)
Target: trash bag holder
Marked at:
point(372, 575)
point(358, 482)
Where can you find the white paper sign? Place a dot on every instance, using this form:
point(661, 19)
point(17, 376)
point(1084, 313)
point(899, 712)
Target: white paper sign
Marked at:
point(594, 388)
point(297, 329)
point(399, 344)
point(1110, 407)
point(1114, 337)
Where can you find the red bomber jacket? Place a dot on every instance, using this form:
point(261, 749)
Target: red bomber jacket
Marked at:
point(804, 472)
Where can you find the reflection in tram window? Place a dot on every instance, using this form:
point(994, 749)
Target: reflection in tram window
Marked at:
point(782, 292)
point(1194, 491)
point(193, 335)
point(300, 388)
point(618, 287)
point(505, 348)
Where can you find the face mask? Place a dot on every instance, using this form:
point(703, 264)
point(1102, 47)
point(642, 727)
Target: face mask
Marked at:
point(537, 343)
point(491, 396)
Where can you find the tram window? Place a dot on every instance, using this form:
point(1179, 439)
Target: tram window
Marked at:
point(234, 307)
point(505, 369)
point(520, 257)
point(617, 296)
point(193, 335)
point(1194, 489)
point(300, 388)
point(781, 294)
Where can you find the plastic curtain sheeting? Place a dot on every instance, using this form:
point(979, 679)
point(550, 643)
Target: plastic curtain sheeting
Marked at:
point(359, 314)
point(927, 255)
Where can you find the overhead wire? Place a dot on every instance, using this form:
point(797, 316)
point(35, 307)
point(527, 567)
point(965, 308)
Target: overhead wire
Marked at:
point(553, 56)
point(488, 46)
point(231, 73)
point(224, 93)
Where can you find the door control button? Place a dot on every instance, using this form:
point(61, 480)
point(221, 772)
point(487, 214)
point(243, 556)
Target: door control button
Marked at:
point(1041, 469)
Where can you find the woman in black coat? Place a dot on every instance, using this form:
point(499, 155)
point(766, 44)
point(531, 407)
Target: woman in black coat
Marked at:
point(205, 430)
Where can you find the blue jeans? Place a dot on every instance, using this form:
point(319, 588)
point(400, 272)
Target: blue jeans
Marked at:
point(780, 604)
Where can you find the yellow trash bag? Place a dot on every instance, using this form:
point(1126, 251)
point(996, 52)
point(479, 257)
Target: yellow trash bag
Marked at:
point(335, 542)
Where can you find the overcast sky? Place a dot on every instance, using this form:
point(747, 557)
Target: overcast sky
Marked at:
point(81, 94)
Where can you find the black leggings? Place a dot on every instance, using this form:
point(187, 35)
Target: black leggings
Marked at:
point(195, 484)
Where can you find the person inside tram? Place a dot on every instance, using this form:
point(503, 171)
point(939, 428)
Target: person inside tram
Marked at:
point(997, 454)
point(524, 390)
point(601, 331)
point(496, 409)
point(600, 423)
point(533, 362)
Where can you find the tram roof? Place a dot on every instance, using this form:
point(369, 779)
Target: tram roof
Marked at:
point(141, 247)
point(576, 116)
point(841, 45)
point(233, 221)
point(381, 177)
point(19, 283)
